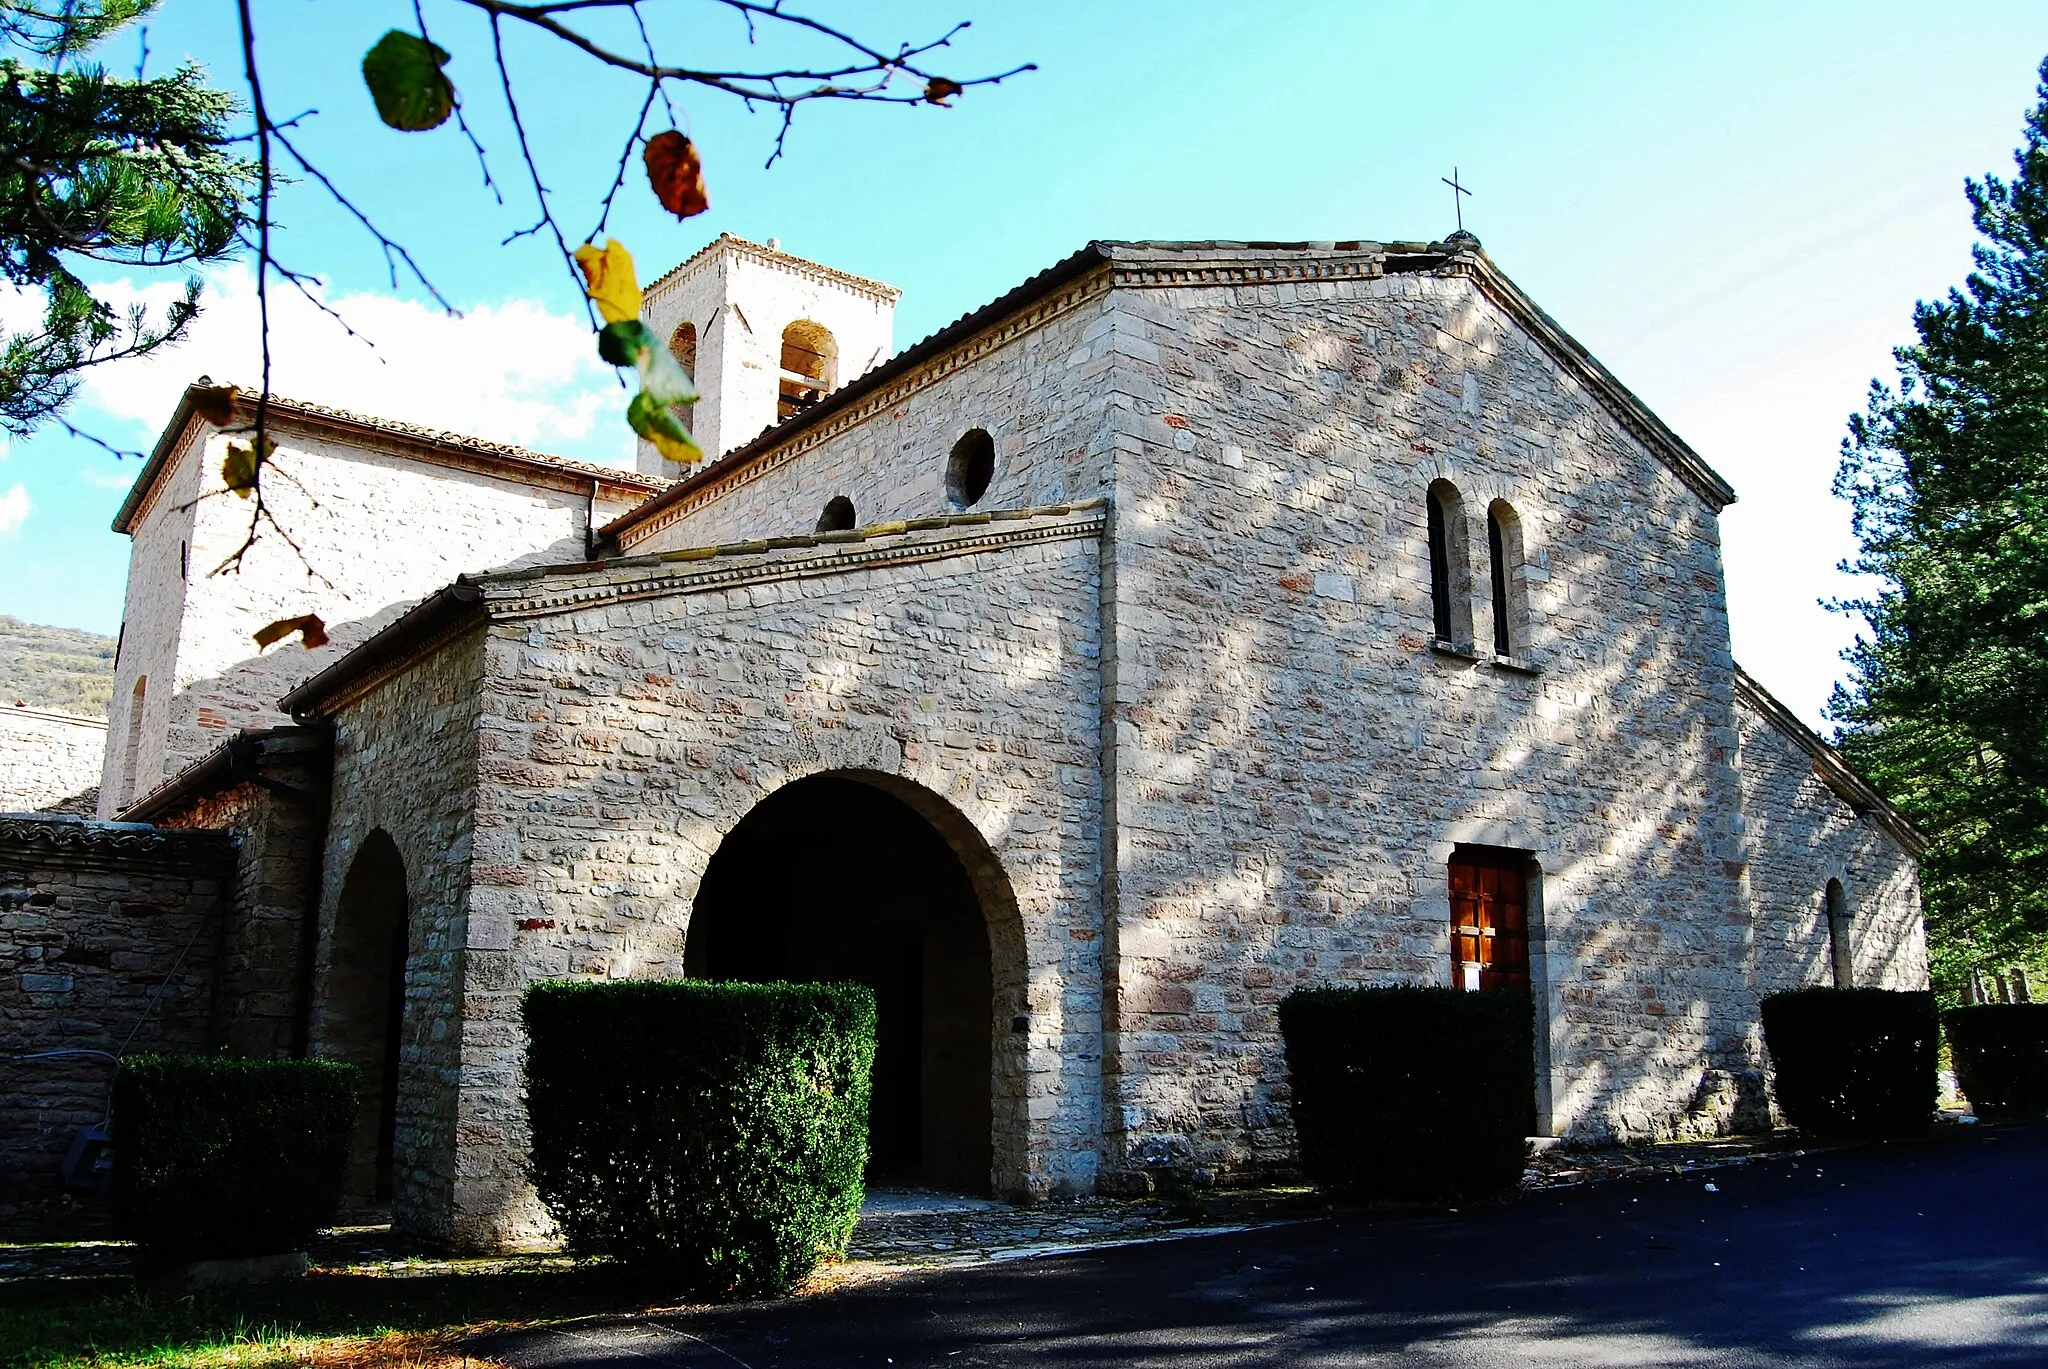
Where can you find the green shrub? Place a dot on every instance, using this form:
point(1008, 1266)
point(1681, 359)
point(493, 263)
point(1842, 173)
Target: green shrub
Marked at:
point(1411, 1094)
point(1856, 1061)
point(2001, 1053)
point(714, 1132)
point(217, 1157)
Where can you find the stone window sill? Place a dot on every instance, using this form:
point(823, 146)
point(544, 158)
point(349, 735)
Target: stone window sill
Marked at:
point(1513, 665)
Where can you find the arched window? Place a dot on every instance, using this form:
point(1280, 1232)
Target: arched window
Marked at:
point(1510, 604)
point(131, 749)
point(683, 345)
point(1836, 902)
point(1450, 591)
point(810, 367)
point(838, 515)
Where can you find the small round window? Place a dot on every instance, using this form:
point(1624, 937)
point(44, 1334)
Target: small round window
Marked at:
point(969, 469)
point(838, 515)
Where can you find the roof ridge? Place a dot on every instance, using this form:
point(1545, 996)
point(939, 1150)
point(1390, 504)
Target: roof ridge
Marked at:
point(866, 285)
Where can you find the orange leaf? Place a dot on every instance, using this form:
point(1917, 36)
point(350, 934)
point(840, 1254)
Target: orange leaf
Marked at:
point(677, 174)
point(939, 89)
point(312, 632)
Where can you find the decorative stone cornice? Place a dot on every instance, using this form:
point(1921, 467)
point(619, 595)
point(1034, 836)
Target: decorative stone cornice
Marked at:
point(1828, 766)
point(731, 244)
point(548, 591)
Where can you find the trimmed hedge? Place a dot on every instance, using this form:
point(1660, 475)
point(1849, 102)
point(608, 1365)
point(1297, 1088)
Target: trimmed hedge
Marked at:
point(1857, 1061)
point(715, 1133)
point(217, 1157)
point(1412, 1094)
point(2001, 1054)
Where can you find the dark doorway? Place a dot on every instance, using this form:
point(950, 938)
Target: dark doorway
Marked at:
point(364, 1012)
point(832, 878)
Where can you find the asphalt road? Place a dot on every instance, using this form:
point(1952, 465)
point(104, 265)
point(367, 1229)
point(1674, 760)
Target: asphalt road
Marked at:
point(1918, 1253)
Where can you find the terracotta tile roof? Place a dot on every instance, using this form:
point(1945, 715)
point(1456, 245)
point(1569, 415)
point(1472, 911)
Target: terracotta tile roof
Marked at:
point(349, 424)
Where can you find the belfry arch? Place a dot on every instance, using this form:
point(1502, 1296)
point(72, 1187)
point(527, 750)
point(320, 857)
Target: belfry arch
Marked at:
point(858, 875)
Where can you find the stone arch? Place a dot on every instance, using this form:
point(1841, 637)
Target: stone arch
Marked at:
point(898, 837)
point(1450, 565)
point(1505, 559)
point(682, 344)
point(809, 367)
point(363, 1005)
point(1841, 953)
point(131, 747)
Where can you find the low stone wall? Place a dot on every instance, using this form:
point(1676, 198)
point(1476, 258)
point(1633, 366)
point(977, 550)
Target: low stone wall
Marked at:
point(47, 757)
point(109, 942)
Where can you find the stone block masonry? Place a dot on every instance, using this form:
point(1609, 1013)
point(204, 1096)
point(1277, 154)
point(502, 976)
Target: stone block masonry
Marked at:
point(47, 757)
point(109, 939)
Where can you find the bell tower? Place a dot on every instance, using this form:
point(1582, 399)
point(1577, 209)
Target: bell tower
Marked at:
point(765, 335)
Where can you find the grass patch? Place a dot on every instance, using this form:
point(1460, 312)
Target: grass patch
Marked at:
point(388, 1316)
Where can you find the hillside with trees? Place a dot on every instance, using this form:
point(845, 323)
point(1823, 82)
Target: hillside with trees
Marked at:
point(55, 667)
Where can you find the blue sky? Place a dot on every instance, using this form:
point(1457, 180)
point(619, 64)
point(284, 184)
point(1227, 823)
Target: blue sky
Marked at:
point(1735, 206)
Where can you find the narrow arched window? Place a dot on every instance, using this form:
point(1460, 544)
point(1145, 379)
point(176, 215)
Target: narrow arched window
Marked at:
point(1836, 902)
point(1504, 555)
point(131, 749)
point(810, 367)
point(682, 344)
point(1449, 589)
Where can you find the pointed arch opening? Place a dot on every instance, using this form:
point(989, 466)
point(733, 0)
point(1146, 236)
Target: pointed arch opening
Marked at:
point(1450, 577)
point(1510, 590)
point(868, 877)
point(363, 1008)
point(810, 367)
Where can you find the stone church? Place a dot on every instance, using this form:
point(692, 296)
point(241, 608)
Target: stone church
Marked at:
point(1193, 622)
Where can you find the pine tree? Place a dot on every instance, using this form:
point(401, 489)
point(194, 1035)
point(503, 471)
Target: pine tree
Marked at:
point(1946, 707)
point(97, 168)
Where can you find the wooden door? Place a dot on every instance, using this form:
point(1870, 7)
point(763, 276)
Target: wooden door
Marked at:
point(1489, 919)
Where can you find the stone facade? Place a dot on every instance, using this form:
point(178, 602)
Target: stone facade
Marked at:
point(109, 939)
point(383, 514)
point(1143, 623)
point(47, 757)
point(1810, 821)
point(406, 766)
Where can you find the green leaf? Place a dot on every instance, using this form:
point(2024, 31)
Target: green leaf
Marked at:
point(622, 343)
point(403, 72)
point(656, 422)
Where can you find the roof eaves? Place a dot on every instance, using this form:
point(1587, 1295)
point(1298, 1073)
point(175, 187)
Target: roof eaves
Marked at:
point(436, 615)
point(1829, 765)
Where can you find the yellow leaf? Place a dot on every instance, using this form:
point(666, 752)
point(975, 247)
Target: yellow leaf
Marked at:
point(238, 471)
point(612, 285)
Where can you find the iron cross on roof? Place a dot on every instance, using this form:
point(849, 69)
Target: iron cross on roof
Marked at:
point(1458, 196)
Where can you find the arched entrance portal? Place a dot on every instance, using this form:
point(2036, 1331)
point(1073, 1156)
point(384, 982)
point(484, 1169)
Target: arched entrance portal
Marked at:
point(365, 1006)
point(833, 878)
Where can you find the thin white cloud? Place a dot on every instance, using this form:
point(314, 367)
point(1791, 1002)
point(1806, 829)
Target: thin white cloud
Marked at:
point(515, 372)
point(14, 509)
